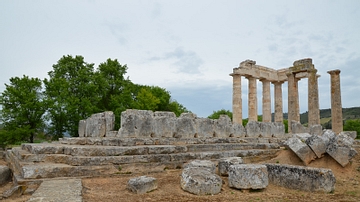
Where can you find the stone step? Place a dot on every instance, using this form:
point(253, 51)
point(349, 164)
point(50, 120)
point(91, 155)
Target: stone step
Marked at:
point(52, 170)
point(99, 150)
point(117, 141)
point(231, 146)
point(25, 156)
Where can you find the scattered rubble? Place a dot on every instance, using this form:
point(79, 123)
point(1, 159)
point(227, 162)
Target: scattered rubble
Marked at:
point(142, 184)
point(248, 176)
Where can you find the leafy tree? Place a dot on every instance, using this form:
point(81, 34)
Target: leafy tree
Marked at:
point(177, 108)
point(216, 114)
point(22, 109)
point(72, 94)
point(353, 125)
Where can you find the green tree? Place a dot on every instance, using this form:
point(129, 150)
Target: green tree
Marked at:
point(22, 109)
point(114, 90)
point(216, 114)
point(71, 93)
point(353, 125)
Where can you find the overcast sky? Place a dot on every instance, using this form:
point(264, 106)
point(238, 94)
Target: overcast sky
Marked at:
point(187, 47)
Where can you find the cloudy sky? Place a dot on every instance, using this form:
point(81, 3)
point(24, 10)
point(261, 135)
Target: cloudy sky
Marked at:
point(187, 47)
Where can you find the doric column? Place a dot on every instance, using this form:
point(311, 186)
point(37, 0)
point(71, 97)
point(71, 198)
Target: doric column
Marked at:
point(313, 98)
point(266, 101)
point(336, 107)
point(237, 100)
point(293, 100)
point(252, 106)
point(279, 116)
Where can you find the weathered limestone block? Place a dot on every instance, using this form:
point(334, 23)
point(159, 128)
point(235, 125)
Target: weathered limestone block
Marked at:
point(278, 130)
point(248, 176)
point(318, 145)
point(112, 133)
point(301, 149)
point(222, 126)
point(301, 178)
point(204, 127)
point(343, 140)
point(136, 123)
point(225, 163)
point(351, 134)
point(185, 126)
point(203, 164)
point(142, 184)
point(109, 117)
point(296, 127)
point(237, 130)
point(82, 128)
point(200, 181)
point(340, 149)
point(164, 124)
point(265, 129)
point(253, 129)
point(302, 136)
point(328, 136)
point(4, 174)
point(315, 130)
point(95, 126)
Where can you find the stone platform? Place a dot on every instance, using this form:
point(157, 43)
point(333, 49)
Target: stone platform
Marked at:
point(86, 156)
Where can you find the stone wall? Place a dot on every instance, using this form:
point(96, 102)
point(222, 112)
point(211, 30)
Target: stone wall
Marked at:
point(148, 124)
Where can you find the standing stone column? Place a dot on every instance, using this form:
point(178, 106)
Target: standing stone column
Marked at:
point(237, 100)
point(313, 98)
point(336, 107)
point(252, 100)
point(266, 101)
point(279, 116)
point(293, 100)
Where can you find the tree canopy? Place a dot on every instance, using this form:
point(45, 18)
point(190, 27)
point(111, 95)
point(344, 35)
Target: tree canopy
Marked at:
point(22, 109)
point(74, 91)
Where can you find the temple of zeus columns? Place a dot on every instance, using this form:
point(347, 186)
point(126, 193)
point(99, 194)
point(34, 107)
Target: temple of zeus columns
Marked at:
point(301, 69)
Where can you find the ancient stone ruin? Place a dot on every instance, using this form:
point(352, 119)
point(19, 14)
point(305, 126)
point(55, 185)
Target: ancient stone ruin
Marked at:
point(301, 69)
point(156, 141)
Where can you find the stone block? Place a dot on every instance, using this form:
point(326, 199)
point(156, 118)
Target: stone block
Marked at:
point(164, 124)
point(343, 140)
point(5, 174)
point(136, 123)
point(200, 181)
point(315, 130)
point(328, 135)
point(109, 117)
point(341, 154)
point(351, 134)
point(237, 130)
point(265, 129)
point(278, 130)
point(203, 164)
point(248, 176)
point(82, 128)
point(318, 145)
point(111, 133)
point(296, 127)
point(185, 126)
point(301, 178)
point(204, 128)
point(95, 125)
point(142, 184)
point(222, 126)
point(301, 149)
point(225, 163)
point(253, 129)
point(302, 136)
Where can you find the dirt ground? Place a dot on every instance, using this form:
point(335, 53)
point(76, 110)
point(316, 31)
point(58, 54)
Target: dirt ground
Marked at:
point(113, 188)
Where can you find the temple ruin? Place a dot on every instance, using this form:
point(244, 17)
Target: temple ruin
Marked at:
point(301, 69)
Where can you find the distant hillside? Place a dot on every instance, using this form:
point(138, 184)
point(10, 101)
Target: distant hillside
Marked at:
point(325, 115)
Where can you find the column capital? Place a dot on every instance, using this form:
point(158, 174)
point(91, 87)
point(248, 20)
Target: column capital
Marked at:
point(312, 71)
point(277, 82)
point(334, 72)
